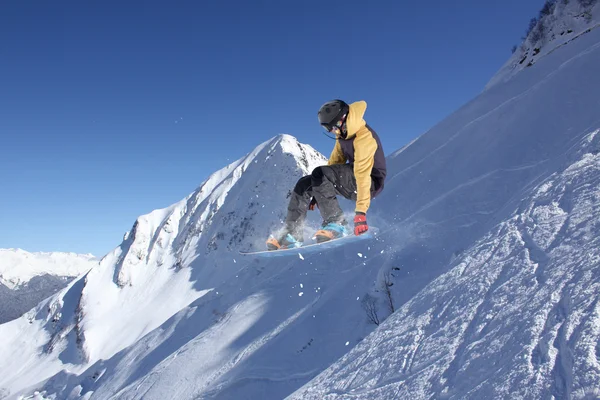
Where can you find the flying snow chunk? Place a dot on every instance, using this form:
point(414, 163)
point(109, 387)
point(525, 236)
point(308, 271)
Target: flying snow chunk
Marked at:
point(300, 294)
point(359, 254)
point(300, 255)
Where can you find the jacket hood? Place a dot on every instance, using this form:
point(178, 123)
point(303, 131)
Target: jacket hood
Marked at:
point(355, 120)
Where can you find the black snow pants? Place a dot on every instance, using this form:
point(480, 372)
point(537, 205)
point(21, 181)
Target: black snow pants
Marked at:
point(325, 183)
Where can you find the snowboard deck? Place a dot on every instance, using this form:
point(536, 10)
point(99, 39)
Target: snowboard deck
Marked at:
point(314, 247)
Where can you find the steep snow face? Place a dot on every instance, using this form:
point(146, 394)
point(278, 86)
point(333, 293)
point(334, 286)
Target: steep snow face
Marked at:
point(170, 258)
point(558, 24)
point(17, 267)
point(501, 296)
point(517, 315)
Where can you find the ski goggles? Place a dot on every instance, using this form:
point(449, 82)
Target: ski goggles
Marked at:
point(332, 129)
point(335, 128)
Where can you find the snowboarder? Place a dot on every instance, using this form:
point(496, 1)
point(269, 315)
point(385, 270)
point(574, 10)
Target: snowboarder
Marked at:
point(356, 170)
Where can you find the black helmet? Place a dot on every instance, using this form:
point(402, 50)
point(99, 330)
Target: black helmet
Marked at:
point(332, 112)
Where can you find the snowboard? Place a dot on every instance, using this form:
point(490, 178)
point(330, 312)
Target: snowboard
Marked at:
point(313, 246)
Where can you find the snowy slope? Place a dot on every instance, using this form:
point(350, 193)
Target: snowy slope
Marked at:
point(170, 258)
point(512, 226)
point(516, 316)
point(488, 244)
point(28, 278)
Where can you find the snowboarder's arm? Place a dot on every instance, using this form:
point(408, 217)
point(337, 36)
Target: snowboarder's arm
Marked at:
point(337, 156)
point(365, 146)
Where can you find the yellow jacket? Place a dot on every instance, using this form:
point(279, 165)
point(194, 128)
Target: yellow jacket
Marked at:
point(358, 147)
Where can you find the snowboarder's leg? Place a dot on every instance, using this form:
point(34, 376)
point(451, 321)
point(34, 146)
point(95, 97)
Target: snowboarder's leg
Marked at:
point(328, 182)
point(298, 207)
point(293, 233)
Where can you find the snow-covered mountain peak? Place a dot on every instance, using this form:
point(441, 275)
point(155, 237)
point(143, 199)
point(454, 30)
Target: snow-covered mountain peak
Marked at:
point(170, 257)
point(559, 22)
point(247, 196)
point(18, 266)
point(184, 250)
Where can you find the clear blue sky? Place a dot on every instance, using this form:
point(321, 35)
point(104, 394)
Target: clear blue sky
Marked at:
point(110, 109)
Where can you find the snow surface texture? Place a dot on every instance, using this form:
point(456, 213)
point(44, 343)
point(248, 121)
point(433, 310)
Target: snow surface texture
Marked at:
point(28, 278)
point(487, 253)
point(517, 315)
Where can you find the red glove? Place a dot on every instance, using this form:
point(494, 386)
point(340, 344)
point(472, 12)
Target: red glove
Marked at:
point(312, 204)
point(360, 223)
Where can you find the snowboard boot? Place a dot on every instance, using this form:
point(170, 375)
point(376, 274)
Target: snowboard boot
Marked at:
point(285, 241)
point(331, 231)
